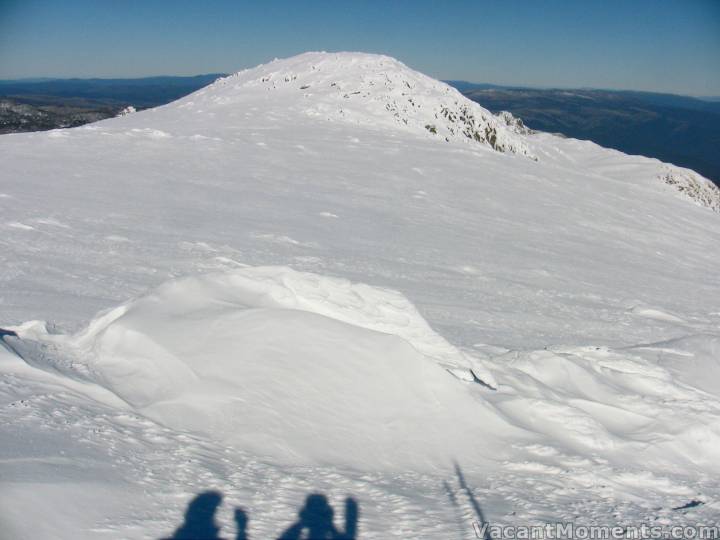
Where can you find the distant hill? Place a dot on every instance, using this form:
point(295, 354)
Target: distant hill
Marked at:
point(676, 129)
point(16, 116)
point(140, 93)
point(41, 104)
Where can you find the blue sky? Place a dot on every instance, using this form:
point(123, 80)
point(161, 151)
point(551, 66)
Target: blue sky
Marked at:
point(658, 45)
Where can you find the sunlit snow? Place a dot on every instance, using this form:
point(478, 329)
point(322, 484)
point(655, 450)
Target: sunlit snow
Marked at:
point(332, 274)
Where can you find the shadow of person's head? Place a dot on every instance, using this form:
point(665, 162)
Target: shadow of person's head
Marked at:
point(316, 521)
point(317, 512)
point(200, 518)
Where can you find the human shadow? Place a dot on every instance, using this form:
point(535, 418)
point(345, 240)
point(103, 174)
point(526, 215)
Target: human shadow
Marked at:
point(316, 520)
point(200, 518)
point(241, 521)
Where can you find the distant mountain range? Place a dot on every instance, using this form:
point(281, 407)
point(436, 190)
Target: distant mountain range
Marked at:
point(41, 104)
point(677, 129)
point(140, 93)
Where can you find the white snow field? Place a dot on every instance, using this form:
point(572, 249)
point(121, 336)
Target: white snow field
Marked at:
point(332, 274)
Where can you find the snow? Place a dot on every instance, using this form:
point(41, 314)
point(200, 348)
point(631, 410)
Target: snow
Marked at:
point(202, 355)
point(361, 89)
point(270, 289)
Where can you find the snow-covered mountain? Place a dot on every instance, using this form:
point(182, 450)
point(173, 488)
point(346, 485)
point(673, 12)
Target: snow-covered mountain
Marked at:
point(334, 274)
point(367, 90)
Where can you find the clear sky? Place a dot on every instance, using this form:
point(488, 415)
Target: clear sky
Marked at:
point(658, 45)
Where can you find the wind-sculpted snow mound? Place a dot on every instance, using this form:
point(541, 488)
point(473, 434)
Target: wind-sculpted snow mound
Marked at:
point(295, 366)
point(693, 360)
point(655, 405)
point(305, 368)
point(365, 89)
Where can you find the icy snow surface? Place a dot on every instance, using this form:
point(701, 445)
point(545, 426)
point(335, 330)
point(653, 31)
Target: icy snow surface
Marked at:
point(288, 283)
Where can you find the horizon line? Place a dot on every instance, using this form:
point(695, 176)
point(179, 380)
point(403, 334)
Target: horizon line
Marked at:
point(40, 79)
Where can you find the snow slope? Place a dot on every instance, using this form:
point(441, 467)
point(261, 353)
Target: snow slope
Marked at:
point(293, 285)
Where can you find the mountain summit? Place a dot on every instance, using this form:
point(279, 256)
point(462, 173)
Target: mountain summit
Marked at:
point(364, 89)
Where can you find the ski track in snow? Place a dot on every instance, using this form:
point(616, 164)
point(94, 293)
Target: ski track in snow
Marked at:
point(578, 281)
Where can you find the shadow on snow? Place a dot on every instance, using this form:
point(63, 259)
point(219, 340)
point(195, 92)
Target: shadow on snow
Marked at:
point(315, 520)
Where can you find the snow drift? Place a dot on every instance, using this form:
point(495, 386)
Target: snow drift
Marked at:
point(304, 368)
point(296, 366)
